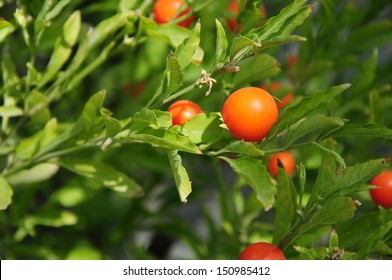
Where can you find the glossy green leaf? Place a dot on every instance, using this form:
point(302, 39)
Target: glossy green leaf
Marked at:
point(285, 22)
point(104, 175)
point(172, 81)
point(221, 44)
point(254, 173)
point(184, 185)
point(5, 193)
point(150, 118)
point(310, 104)
point(163, 138)
point(185, 52)
point(203, 128)
point(311, 128)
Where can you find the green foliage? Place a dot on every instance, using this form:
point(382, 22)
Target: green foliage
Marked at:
point(91, 163)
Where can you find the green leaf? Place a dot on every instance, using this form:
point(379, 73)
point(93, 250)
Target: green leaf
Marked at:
point(333, 211)
point(282, 39)
point(242, 47)
point(6, 29)
point(150, 118)
point(172, 81)
point(28, 147)
point(126, 5)
point(203, 128)
point(286, 206)
point(354, 177)
point(185, 52)
point(170, 33)
point(167, 139)
point(310, 104)
point(254, 173)
point(63, 47)
point(104, 175)
point(242, 148)
point(310, 129)
point(362, 130)
point(10, 111)
point(368, 36)
point(326, 178)
point(285, 22)
point(48, 217)
point(105, 29)
point(257, 68)
point(36, 106)
point(373, 239)
point(91, 116)
point(38, 173)
point(184, 185)
point(221, 44)
point(365, 77)
point(5, 193)
point(112, 125)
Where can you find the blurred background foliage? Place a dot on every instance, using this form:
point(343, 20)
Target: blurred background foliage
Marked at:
point(70, 217)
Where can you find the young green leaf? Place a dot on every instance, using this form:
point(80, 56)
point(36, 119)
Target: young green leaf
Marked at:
point(5, 193)
point(221, 44)
point(184, 185)
point(103, 175)
point(254, 173)
point(185, 51)
point(91, 116)
point(63, 48)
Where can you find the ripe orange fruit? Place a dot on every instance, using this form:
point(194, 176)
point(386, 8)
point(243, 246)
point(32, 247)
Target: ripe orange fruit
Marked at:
point(249, 113)
point(286, 158)
point(183, 110)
